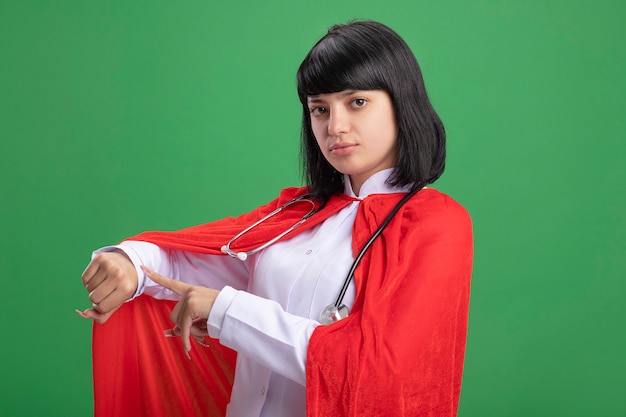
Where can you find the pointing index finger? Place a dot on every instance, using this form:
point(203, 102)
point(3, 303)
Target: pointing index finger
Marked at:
point(178, 287)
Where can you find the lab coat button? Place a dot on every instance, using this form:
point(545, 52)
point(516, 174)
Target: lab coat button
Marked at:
point(309, 252)
point(263, 391)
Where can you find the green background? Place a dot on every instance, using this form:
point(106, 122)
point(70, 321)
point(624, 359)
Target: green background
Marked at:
point(122, 116)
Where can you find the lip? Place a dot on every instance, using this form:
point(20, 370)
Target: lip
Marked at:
point(342, 148)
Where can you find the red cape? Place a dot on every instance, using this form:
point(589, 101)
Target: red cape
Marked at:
point(400, 352)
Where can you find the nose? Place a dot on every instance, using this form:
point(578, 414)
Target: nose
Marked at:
point(338, 122)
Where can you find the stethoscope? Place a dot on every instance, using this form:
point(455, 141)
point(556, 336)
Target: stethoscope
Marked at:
point(336, 311)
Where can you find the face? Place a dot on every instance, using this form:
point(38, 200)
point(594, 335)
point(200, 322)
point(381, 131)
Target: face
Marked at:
point(356, 131)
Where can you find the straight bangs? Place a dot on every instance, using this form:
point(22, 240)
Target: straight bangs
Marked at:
point(333, 65)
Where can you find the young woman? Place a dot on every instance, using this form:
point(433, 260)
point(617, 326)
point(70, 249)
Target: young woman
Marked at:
point(358, 308)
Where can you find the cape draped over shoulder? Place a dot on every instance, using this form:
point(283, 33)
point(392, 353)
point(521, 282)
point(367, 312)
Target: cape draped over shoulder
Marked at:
point(400, 351)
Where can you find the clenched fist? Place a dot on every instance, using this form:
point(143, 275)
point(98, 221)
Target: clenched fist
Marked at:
point(110, 279)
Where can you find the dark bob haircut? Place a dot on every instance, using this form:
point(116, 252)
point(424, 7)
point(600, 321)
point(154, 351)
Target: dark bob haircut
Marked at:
point(367, 55)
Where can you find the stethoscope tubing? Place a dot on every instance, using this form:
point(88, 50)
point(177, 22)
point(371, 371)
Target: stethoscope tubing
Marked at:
point(371, 240)
point(244, 255)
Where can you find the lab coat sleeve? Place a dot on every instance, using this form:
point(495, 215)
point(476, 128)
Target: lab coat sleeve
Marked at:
point(261, 330)
point(213, 271)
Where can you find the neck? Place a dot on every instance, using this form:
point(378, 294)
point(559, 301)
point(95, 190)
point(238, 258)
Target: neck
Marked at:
point(356, 184)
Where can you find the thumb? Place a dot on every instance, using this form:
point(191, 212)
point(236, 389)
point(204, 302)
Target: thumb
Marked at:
point(94, 315)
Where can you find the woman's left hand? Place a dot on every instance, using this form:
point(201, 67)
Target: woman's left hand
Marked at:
point(191, 312)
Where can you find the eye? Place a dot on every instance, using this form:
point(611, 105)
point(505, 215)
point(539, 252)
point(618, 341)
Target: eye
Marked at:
point(358, 102)
point(317, 110)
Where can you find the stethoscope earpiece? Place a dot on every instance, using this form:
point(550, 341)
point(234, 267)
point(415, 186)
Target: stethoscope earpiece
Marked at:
point(242, 256)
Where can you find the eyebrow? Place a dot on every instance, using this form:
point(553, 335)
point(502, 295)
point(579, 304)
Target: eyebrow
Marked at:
point(317, 99)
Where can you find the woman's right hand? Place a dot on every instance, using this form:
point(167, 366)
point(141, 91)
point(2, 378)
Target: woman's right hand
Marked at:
point(110, 279)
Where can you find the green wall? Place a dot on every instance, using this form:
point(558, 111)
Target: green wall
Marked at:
point(121, 116)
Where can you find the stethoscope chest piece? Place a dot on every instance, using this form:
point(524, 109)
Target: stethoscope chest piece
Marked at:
point(332, 314)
